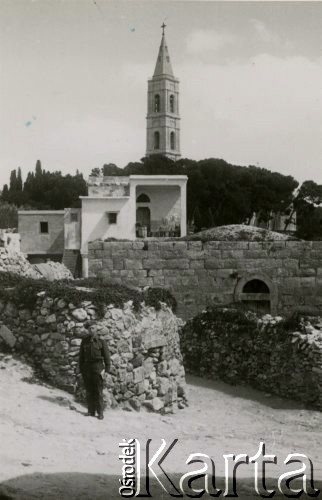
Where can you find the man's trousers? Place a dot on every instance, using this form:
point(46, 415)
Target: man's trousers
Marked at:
point(94, 391)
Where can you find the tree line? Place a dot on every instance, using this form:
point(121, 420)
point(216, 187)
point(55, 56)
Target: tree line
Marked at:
point(218, 193)
point(42, 190)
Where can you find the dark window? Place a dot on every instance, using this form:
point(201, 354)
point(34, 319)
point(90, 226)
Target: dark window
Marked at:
point(156, 140)
point(172, 103)
point(44, 227)
point(112, 218)
point(255, 286)
point(74, 217)
point(157, 103)
point(143, 198)
point(172, 140)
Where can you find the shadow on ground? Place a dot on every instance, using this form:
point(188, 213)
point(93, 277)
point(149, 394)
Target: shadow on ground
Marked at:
point(81, 486)
point(248, 393)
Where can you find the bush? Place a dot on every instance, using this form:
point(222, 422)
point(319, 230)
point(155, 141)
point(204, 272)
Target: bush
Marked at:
point(23, 292)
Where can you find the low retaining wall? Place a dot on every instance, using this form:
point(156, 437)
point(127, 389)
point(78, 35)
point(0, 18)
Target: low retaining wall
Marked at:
point(199, 273)
point(146, 367)
point(270, 355)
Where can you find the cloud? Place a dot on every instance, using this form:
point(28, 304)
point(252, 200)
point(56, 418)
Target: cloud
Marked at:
point(268, 36)
point(201, 41)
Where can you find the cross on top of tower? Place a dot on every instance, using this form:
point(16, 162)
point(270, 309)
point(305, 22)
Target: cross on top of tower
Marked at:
point(163, 26)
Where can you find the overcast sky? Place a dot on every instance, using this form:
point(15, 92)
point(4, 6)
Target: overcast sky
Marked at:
point(74, 80)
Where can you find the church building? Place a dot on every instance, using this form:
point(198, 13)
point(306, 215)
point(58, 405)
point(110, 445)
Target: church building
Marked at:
point(163, 120)
point(120, 207)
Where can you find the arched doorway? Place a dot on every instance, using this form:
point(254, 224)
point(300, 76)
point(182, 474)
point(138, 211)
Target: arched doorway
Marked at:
point(257, 293)
point(143, 221)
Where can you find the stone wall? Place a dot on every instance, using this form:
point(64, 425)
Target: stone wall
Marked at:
point(267, 354)
point(146, 361)
point(204, 273)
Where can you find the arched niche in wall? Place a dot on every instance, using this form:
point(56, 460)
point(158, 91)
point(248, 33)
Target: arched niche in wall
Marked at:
point(257, 293)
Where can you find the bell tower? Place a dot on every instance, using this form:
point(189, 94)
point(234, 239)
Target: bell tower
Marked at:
point(163, 120)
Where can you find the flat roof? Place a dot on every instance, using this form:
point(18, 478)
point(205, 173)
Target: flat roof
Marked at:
point(99, 197)
point(159, 177)
point(41, 212)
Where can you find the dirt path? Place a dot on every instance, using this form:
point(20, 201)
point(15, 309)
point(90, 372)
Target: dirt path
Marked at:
point(51, 451)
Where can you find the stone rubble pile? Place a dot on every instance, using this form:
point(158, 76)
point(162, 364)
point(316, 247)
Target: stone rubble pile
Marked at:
point(267, 357)
point(146, 364)
point(15, 262)
point(53, 271)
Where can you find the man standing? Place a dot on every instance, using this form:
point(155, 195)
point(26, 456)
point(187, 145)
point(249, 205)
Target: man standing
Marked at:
point(94, 358)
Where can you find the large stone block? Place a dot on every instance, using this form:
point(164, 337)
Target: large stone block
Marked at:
point(153, 263)
point(214, 263)
point(242, 245)
point(95, 265)
point(7, 336)
point(211, 253)
point(133, 264)
point(291, 264)
point(152, 245)
point(152, 254)
point(107, 263)
point(140, 273)
point(256, 254)
point(99, 254)
point(305, 271)
point(118, 263)
point(166, 245)
point(158, 281)
point(177, 264)
point(155, 272)
point(107, 247)
point(180, 245)
point(256, 245)
point(197, 264)
point(207, 245)
point(173, 254)
point(194, 255)
point(138, 245)
point(195, 245)
point(190, 280)
point(299, 245)
point(308, 282)
point(233, 254)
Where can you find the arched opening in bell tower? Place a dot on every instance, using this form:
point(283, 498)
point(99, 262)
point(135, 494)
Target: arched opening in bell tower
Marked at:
point(156, 140)
point(171, 103)
point(172, 140)
point(157, 103)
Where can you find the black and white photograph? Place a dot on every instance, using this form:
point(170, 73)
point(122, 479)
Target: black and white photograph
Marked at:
point(160, 249)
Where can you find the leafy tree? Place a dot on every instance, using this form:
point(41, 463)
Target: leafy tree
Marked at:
point(14, 194)
point(38, 170)
point(308, 206)
point(13, 181)
point(8, 215)
point(5, 193)
point(19, 181)
point(111, 169)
